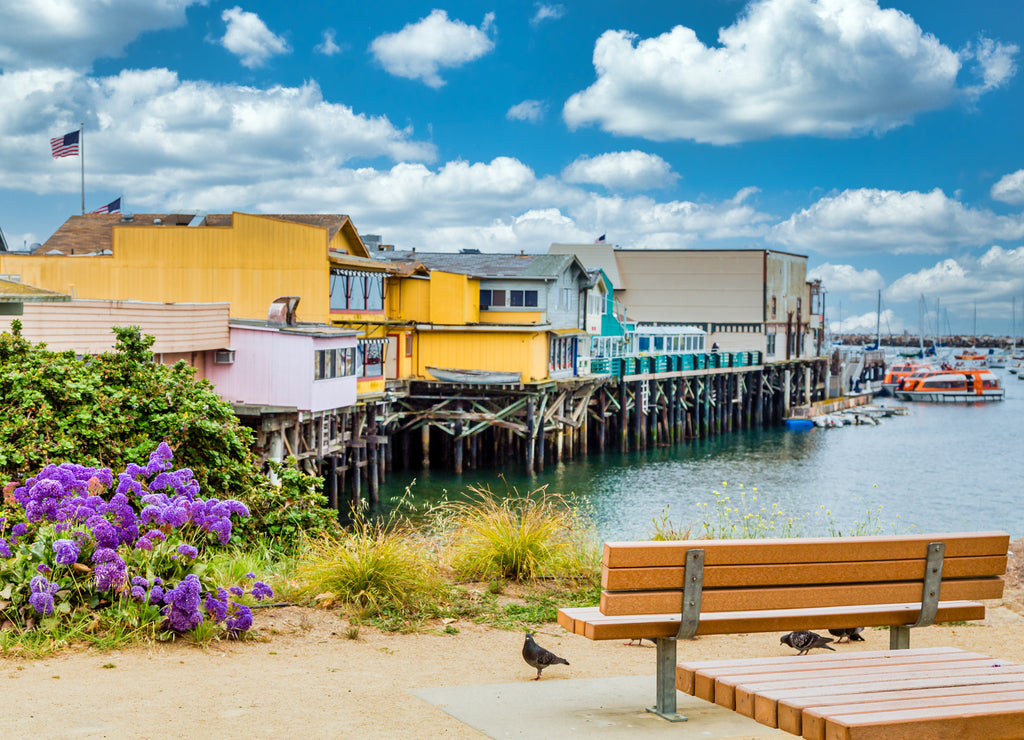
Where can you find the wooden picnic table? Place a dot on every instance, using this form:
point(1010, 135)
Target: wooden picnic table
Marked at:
point(918, 694)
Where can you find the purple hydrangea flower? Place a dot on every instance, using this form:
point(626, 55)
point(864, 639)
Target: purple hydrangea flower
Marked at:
point(156, 595)
point(261, 591)
point(188, 551)
point(182, 610)
point(5, 549)
point(65, 552)
point(44, 569)
point(240, 621)
point(111, 572)
point(42, 592)
point(18, 530)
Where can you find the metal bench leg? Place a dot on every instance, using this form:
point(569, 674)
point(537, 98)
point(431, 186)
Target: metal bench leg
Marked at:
point(899, 637)
point(665, 706)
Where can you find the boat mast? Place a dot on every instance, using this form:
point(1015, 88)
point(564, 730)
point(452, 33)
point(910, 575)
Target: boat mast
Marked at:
point(878, 323)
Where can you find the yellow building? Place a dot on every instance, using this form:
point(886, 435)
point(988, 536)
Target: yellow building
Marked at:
point(522, 315)
point(249, 261)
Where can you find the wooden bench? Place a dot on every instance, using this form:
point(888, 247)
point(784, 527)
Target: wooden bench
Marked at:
point(671, 591)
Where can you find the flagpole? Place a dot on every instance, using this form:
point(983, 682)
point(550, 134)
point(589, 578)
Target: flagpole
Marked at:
point(81, 145)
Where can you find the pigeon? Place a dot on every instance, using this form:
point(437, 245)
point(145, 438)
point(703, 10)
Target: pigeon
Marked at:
point(803, 641)
point(850, 633)
point(538, 657)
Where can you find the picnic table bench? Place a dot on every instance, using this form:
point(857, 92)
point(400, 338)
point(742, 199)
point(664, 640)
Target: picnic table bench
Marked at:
point(668, 591)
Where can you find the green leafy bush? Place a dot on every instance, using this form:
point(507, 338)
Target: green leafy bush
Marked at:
point(289, 511)
point(114, 408)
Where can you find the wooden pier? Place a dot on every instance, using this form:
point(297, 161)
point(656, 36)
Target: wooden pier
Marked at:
point(421, 424)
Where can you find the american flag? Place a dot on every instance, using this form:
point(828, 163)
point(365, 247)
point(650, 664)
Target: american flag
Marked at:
point(113, 206)
point(66, 145)
point(600, 239)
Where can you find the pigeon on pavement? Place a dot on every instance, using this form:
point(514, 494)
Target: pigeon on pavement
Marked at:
point(851, 634)
point(803, 641)
point(538, 657)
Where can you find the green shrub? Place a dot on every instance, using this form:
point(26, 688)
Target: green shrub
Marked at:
point(290, 511)
point(518, 537)
point(388, 572)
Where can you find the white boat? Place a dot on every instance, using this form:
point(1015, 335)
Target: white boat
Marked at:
point(489, 377)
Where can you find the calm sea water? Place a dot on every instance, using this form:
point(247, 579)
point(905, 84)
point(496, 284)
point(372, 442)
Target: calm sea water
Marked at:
point(941, 467)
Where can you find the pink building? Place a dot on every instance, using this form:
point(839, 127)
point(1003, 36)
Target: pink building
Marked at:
point(297, 367)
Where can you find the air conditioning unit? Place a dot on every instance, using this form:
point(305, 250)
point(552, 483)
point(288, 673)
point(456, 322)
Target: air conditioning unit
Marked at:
point(224, 357)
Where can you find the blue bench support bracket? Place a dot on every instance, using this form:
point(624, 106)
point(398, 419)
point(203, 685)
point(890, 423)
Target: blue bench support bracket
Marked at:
point(899, 634)
point(665, 700)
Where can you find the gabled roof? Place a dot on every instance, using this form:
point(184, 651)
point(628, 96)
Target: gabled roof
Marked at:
point(492, 265)
point(594, 256)
point(93, 233)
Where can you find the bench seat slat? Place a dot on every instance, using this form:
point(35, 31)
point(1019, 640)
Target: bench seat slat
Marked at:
point(793, 713)
point(730, 576)
point(615, 603)
point(990, 720)
point(591, 623)
point(804, 550)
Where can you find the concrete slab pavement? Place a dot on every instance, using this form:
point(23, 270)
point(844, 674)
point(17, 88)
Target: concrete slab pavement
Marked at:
point(602, 708)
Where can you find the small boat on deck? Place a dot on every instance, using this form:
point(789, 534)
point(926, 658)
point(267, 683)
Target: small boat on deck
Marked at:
point(961, 386)
point(487, 377)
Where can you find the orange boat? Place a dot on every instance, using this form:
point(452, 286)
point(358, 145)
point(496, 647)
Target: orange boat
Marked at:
point(952, 386)
point(898, 372)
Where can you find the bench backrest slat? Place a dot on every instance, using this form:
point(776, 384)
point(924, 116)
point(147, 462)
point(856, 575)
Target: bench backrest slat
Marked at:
point(799, 574)
point(804, 550)
point(614, 603)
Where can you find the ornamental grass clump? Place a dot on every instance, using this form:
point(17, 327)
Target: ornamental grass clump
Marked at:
point(385, 570)
point(71, 546)
point(517, 537)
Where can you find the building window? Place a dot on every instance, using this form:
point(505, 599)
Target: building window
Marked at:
point(353, 290)
point(798, 302)
point(514, 298)
point(370, 358)
point(408, 345)
point(566, 298)
point(334, 363)
point(769, 344)
point(773, 307)
point(562, 355)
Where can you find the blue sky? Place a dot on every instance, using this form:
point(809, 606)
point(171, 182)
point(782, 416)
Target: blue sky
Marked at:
point(881, 139)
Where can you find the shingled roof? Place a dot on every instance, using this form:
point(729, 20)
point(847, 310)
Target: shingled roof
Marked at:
point(490, 265)
point(93, 232)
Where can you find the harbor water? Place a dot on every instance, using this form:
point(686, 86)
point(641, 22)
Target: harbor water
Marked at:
point(938, 468)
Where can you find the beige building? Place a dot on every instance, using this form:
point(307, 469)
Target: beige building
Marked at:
point(181, 331)
point(745, 299)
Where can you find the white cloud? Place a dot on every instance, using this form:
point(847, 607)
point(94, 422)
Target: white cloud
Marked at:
point(328, 46)
point(248, 38)
point(547, 13)
point(150, 129)
point(74, 33)
point(847, 279)
point(633, 170)
point(868, 221)
point(830, 68)
point(420, 50)
point(1010, 188)
point(528, 110)
point(867, 323)
point(990, 282)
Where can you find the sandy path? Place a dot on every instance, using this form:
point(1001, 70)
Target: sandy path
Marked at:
point(306, 679)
